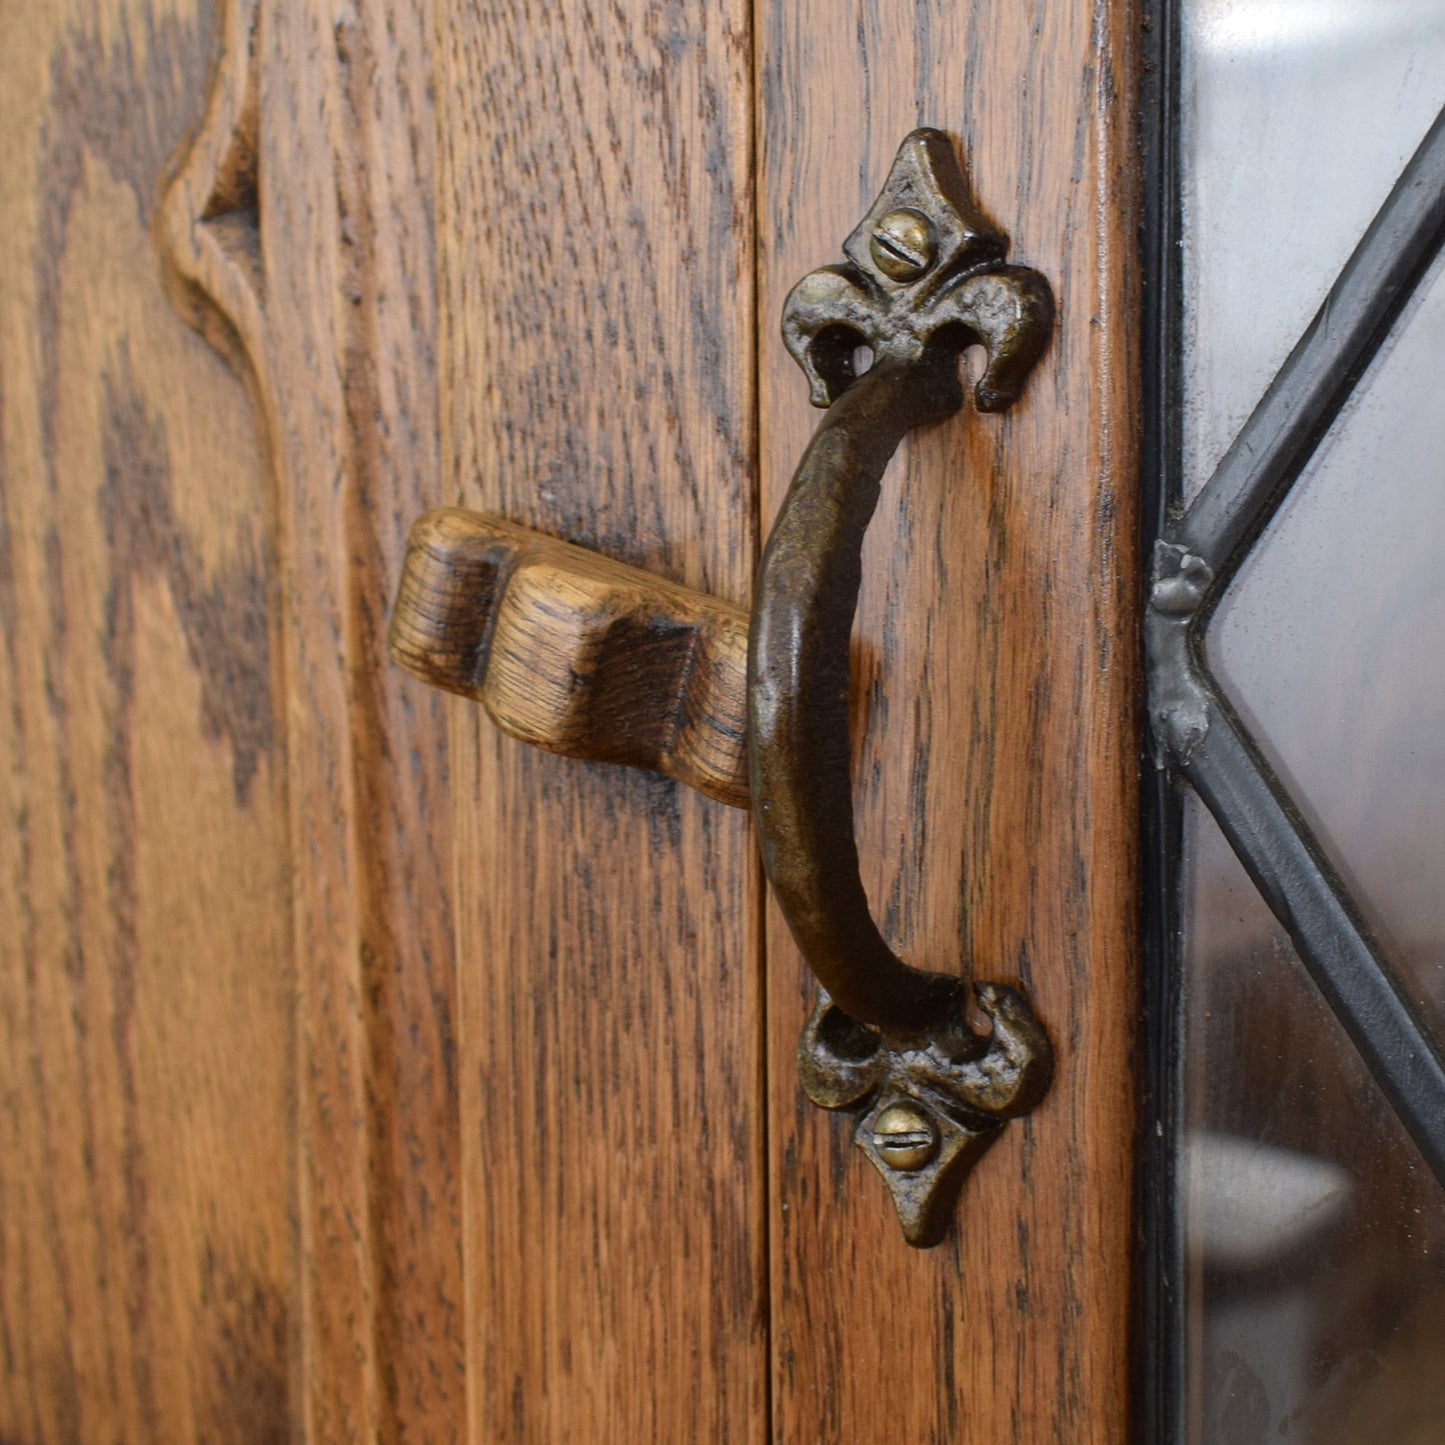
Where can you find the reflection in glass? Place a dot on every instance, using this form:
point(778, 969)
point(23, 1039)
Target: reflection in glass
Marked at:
point(1297, 117)
point(1314, 1232)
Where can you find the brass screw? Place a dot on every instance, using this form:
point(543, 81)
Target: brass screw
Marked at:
point(902, 245)
point(904, 1137)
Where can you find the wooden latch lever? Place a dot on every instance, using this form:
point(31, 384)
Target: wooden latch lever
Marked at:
point(575, 653)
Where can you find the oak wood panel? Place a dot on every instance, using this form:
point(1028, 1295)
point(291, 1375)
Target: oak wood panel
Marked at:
point(595, 231)
point(599, 1094)
point(346, 142)
point(145, 959)
point(995, 702)
point(299, 235)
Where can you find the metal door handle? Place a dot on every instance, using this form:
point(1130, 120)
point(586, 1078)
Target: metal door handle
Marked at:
point(925, 278)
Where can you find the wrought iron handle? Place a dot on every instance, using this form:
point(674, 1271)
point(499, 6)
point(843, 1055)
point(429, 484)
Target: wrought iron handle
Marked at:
point(582, 655)
point(925, 280)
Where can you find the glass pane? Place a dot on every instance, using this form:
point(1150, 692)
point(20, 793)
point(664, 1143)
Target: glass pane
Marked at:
point(1297, 116)
point(1314, 1233)
point(1330, 643)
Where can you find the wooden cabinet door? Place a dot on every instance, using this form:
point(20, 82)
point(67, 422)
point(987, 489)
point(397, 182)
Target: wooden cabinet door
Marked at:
point(366, 1074)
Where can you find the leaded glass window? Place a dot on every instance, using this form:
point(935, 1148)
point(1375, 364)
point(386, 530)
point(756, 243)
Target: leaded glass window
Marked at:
point(1297, 700)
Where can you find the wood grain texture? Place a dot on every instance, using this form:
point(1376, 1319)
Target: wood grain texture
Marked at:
point(595, 230)
point(575, 653)
point(145, 961)
point(297, 234)
point(995, 732)
point(527, 1171)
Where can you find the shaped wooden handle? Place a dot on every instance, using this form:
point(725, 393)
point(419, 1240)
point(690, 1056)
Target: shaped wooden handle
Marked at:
point(575, 653)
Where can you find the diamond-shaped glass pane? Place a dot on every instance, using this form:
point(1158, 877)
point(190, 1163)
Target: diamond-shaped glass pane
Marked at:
point(1314, 1234)
point(1331, 643)
point(1297, 117)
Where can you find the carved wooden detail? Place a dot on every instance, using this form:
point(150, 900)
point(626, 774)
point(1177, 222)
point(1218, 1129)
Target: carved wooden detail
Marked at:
point(147, 1280)
point(208, 225)
point(295, 235)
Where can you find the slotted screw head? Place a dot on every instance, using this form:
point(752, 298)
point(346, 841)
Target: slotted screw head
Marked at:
point(905, 1137)
point(902, 246)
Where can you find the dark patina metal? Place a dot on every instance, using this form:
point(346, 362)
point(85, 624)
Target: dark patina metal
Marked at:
point(925, 278)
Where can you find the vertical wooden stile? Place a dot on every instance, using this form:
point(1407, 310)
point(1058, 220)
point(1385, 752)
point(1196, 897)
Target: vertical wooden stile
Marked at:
point(595, 236)
point(995, 686)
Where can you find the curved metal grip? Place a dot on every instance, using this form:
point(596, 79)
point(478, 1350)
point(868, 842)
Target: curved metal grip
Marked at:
point(926, 280)
point(798, 683)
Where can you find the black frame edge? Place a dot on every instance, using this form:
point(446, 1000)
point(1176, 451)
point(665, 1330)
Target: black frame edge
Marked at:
point(1157, 1355)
